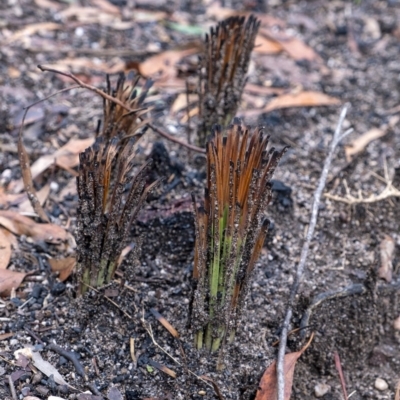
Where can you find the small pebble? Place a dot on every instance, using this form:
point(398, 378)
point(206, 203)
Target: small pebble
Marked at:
point(381, 384)
point(396, 324)
point(321, 389)
point(54, 186)
point(202, 393)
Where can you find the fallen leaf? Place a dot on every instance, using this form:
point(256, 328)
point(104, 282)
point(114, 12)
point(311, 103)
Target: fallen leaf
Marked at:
point(181, 102)
point(45, 367)
point(21, 225)
point(10, 280)
point(148, 16)
point(295, 47)
point(265, 45)
point(386, 248)
point(77, 64)
point(106, 6)
point(268, 385)
point(164, 63)
point(5, 250)
point(67, 155)
point(42, 195)
point(5, 336)
point(361, 142)
point(302, 99)
point(64, 266)
point(30, 30)
point(263, 90)
point(42, 365)
point(48, 5)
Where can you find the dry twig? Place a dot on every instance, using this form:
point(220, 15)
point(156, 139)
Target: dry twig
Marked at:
point(388, 191)
point(337, 137)
point(110, 98)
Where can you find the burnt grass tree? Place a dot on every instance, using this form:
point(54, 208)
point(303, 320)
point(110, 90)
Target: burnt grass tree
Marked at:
point(230, 231)
point(110, 192)
point(222, 72)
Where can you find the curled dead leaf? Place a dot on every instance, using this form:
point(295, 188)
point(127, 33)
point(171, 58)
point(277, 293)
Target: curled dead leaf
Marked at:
point(21, 225)
point(264, 45)
point(268, 385)
point(164, 63)
point(64, 266)
point(10, 280)
point(301, 99)
point(67, 155)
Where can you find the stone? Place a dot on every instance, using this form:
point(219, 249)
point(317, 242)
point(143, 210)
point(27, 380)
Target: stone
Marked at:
point(321, 389)
point(381, 384)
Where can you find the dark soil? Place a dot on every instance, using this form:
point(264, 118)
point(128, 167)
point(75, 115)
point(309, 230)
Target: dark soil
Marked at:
point(361, 67)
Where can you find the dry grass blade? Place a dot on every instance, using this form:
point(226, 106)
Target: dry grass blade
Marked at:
point(222, 71)
point(110, 192)
point(165, 323)
point(338, 366)
point(27, 176)
point(163, 368)
point(230, 229)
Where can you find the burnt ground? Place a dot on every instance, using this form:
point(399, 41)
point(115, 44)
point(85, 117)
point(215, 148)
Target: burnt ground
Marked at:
point(359, 44)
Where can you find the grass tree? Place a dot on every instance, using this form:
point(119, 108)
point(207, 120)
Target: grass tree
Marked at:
point(110, 192)
point(222, 72)
point(230, 230)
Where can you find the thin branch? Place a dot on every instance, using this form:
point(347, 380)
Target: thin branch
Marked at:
point(149, 330)
point(25, 163)
point(337, 137)
point(341, 375)
point(389, 191)
point(12, 388)
point(175, 140)
point(121, 104)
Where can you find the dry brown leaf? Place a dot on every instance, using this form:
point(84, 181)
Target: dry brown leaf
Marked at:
point(48, 5)
point(386, 248)
point(42, 195)
point(149, 16)
point(265, 45)
point(268, 385)
point(112, 66)
point(67, 155)
point(64, 266)
point(5, 336)
point(41, 364)
point(181, 102)
point(263, 90)
point(302, 99)
point(5, 250)
point(30, 30)
point(164, 63)
point(107, 7)
point(361, 142)
point(21, 225)
point(296, 48)
point(10, 280)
